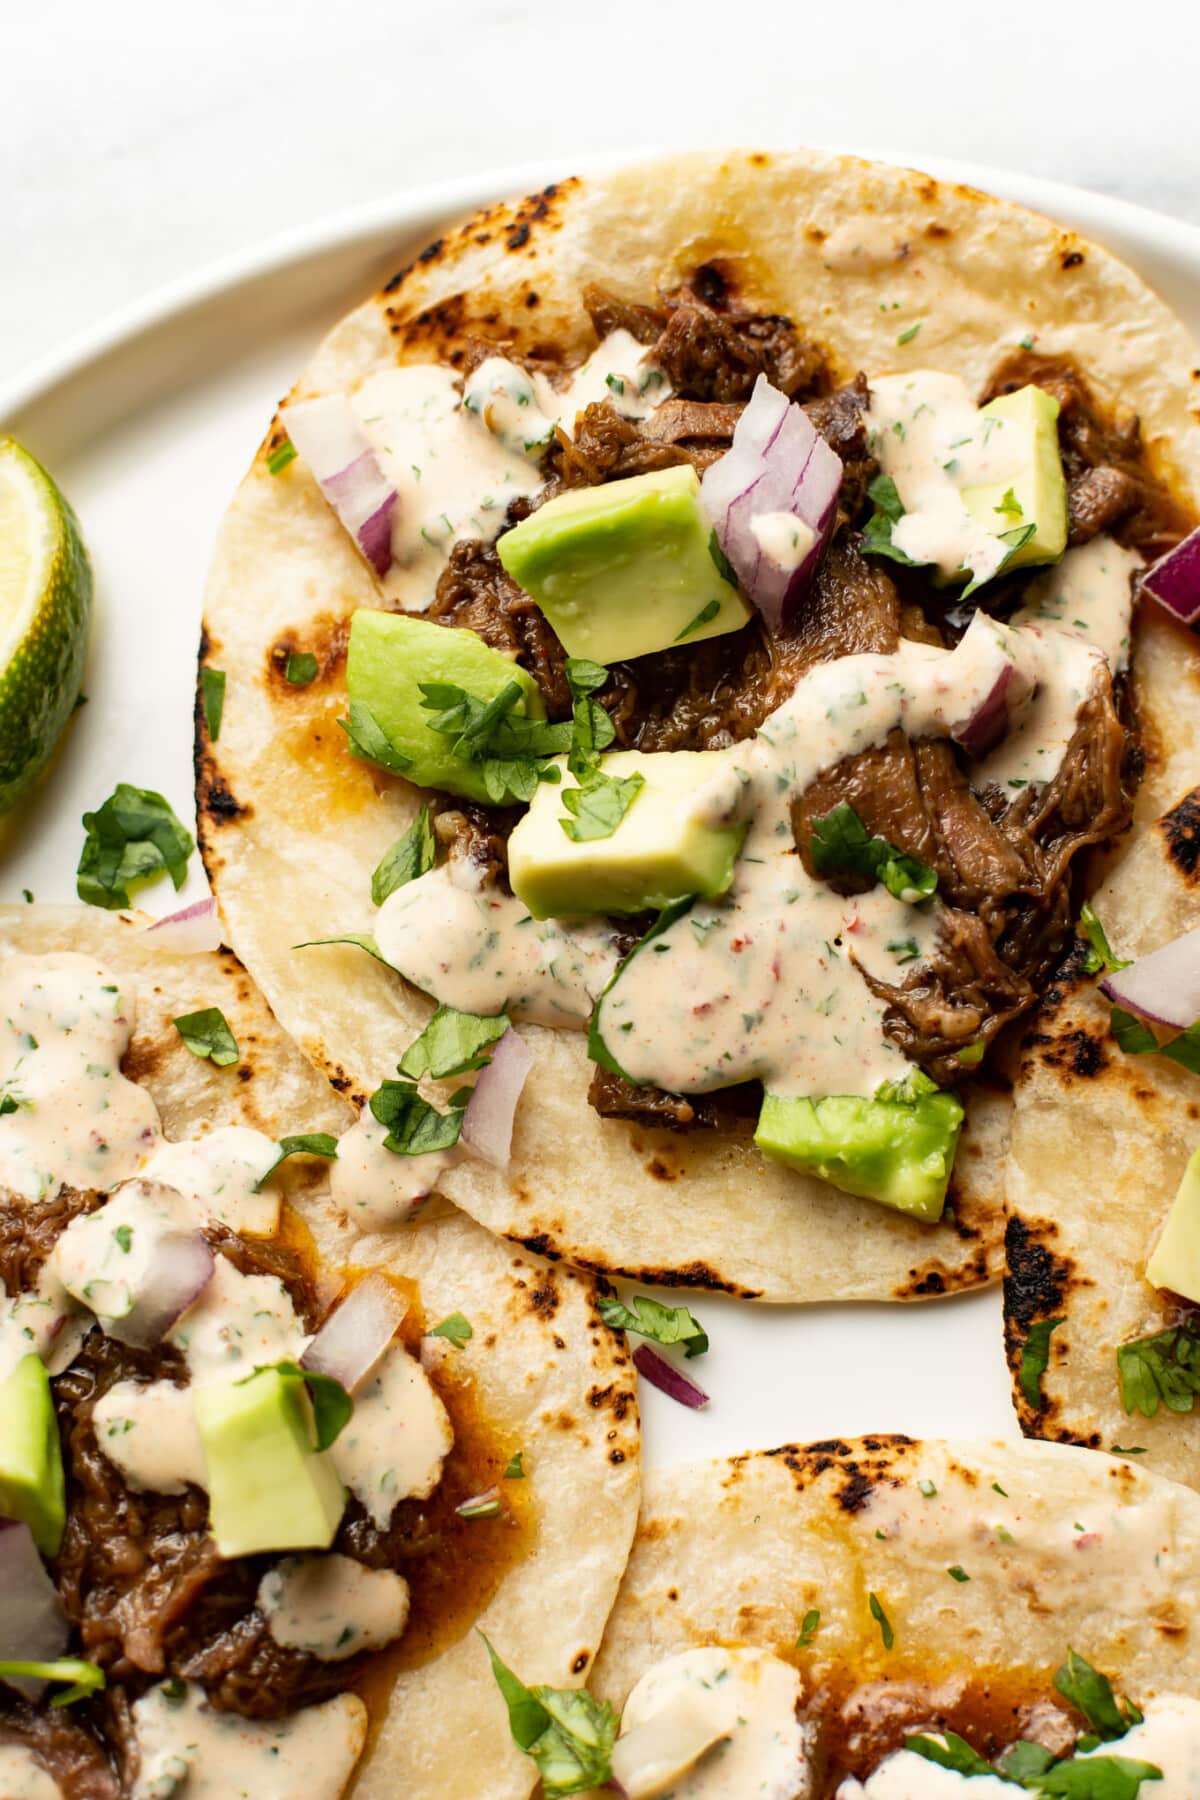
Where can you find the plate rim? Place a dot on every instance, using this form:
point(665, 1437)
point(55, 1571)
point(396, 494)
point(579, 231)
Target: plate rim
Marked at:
point(404, 209)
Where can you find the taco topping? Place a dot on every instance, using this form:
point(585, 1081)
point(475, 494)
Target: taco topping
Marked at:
point(233, 1483)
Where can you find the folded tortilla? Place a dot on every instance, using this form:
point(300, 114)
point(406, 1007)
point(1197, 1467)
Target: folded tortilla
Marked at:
point(542, 1371)
point(291, 826)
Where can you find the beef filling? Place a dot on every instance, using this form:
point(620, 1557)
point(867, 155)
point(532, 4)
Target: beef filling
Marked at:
point(63, 1742)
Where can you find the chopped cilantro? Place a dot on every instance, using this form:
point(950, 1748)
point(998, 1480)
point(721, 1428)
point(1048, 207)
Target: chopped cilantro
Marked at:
point(956, 1572)
point(599, 804)
point(124, 1237)
point(516, 1467)
point(882, 1620)
point(301, 668)
point(568, 1735)
point(370, 742)
point(409, 857)
point(456, 1328)
point(414, 1126)
point(331, 1404)
point(650, 1319)
point(840, 841)
point(132, 838)
point(1091, 1693)
point(83, 1678)
point(206, 1034)
point(1035, 1359)
point(1011, 505)
point(481, 1506)
point(809, 1627)
point(1100, 953)
point(311, 1143)
point(212, 692)
point(281, 456)
point(703, 617)
point(1162, 1369)
point(453, 1043)
point(906, 337)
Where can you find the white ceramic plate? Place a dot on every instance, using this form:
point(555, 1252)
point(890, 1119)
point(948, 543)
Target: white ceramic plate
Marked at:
point(148, 422)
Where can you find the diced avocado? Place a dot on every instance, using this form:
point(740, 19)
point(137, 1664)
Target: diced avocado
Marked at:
point(663, 849)
point(31, 1470)
point(627, 568)
point(390, 654)
point(1037, 495)
point(1175, 1260)
point(895, 1151)
point(269, 1489)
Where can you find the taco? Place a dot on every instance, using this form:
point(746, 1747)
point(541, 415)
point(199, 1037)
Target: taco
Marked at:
point(688, 612)
point(1103, 1280)
point(257, 1484)
point(894, 1619)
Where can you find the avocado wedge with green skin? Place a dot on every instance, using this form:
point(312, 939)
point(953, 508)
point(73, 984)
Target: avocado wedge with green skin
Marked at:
point(391, 654)
point(31, 1468)
point(898, 1152)
point(269, 1487)
point(626, 569)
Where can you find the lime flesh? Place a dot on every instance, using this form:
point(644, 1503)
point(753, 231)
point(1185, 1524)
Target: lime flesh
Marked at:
point(45, 617)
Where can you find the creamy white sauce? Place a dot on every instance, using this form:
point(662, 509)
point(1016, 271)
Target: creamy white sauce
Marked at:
point(148, 1430)
point(218, 1174)
point(103, 1257)
point(186, 1747)
point(397, 1440)
point(481, 951)
point(64, 1027)
point(331, 1606)
point(522, 410)
point(44, 1320)
point(907, 1776)
point(934, 442)
point(22, 1776)
point(453, 478)
point(378, 1188)
point(1088, 595)
point(783, 539)
point(752, 1745)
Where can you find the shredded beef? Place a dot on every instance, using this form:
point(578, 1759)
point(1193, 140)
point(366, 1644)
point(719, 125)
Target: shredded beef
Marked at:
point(841, 419)
point(478, 835)
point(474, 591)
point(615, 1098)
point(62, 1743)
point(1110, 486)
point(710, 348)
point(607, 447)
point(28, 1233)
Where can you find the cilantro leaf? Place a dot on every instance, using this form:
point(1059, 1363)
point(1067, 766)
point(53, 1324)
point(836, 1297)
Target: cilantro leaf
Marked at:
point(568, 1735)
point(840, 841)
point(650, 1319)
point(331, 1404)
point(312, 1143)
point(809, 1627)
point(457, 1328)
point(1090, 1693)
point(584, 676)
point(414, 1127)
point(599, 804)
point(453, 1043)
point(362, 940)
point(906, 337)
point(1162, 1369)
point(369, 742)
point(701, 619)
point(410, 856)
point(1023, 1761)
point(510, 749)
point(84, 1677)
point(1015, 540)
point(886, 497)
point(724, 568)
point(882, 1620)
point(1185, 1049)
point(1010, 505)
point(1134, 1038)
point(515, 1470)
point(133, 837)
point(1100, 954)
point(1035, 1359)
point(1097, 1778)
point(301, 668)
point(206, 1034)
point(955, 1753)
point(279, 458)
point(212, 693)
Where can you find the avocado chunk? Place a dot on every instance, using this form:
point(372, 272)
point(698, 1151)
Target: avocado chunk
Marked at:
point(899, 1152)
point(627, 568)
point(390, 655)
point(31, 1469)
point(1037, 495)
point(1175, 1260)
point(269, 1489)
point(666, 847)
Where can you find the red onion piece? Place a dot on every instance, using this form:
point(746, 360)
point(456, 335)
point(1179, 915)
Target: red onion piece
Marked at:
point(353, 1339)
point(191, 931)
point(997, 649)
point(33, 1626)
point(778, 463)
point(667, 1378)
point(488, 1121)
point(178, 1269)
point(1174, 580)
point(331, 441)
point(1163, 986)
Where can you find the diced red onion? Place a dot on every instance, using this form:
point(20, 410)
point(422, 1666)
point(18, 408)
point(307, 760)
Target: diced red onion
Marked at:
point(1163, 986)
point(434, 1352)
point(667, 1378)
point(488, 1121)
point(1174, 580)
point(329, 438)
point(997, 649)
point(353, 1339)
point(33, 1626)
point(191, 931)
point(178, 1269)
point(778, 463)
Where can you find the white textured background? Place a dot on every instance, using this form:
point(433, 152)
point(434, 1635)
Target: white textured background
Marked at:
point(139, 138)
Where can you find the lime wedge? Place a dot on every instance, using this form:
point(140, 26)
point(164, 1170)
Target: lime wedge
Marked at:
point(45, 615)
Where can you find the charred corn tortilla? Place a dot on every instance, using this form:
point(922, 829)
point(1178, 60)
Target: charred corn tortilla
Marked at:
point(1098, 1555)
point(1083, 1225)
point(542, 1371)
point(292, 827)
